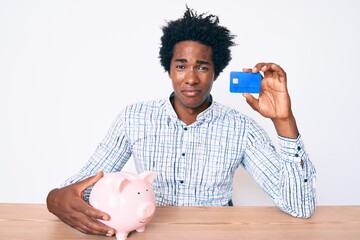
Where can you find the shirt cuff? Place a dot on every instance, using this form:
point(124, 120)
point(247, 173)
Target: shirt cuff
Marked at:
point(292, 149)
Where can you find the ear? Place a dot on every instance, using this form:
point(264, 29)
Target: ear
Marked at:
point(148, 176)
point(216, 76)
point(123, 183)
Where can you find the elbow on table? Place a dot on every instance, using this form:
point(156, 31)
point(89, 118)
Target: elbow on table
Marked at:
point(303, 213)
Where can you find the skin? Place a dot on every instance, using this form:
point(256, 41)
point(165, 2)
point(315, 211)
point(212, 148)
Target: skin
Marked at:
point(274, 99)
point(68, 205)
point(192, 75)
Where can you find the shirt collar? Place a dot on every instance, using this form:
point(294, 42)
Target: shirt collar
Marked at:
point(204, 116)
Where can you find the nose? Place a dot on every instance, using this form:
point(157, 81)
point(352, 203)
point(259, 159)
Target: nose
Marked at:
point(147, 210)
point(191, 77)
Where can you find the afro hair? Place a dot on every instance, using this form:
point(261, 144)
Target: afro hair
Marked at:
point(202, 28)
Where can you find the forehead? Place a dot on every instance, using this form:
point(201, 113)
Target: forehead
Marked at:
point(192, 49)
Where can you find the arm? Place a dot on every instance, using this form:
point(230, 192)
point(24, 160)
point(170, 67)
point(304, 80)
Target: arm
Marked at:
point(289, 177)
point(68, 203)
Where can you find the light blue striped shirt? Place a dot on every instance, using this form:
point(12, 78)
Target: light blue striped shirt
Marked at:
point(195, 164)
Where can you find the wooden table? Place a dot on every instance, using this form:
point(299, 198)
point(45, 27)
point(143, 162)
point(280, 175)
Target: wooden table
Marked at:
point(33, 221)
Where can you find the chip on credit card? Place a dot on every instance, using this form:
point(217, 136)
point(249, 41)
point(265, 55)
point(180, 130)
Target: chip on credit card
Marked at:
point(245, 82)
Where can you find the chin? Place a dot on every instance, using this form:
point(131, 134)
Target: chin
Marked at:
point(193, 104)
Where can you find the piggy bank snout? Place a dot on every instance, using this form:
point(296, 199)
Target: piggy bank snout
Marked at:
point(146, 210)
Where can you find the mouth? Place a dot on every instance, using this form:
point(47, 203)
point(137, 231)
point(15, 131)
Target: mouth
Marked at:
point(191, 92)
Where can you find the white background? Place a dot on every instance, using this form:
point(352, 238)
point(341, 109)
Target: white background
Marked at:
point(68, 67)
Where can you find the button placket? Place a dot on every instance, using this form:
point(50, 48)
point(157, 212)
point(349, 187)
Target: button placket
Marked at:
point(184, 147)
point(180, 178)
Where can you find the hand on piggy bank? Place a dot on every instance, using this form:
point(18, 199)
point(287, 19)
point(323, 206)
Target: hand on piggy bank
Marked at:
point(128, 199)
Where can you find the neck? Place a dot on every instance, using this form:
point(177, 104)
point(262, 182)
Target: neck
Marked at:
point(189, 115)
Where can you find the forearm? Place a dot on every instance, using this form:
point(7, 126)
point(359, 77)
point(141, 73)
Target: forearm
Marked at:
point(290, 189)
point(297, 194)
point(104, 159)
point(288, 177)
point(110, 155)
point(286, 127)
point(67, 204)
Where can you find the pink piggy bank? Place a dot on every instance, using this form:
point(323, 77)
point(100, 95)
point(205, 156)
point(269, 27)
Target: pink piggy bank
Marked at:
point(128, 199)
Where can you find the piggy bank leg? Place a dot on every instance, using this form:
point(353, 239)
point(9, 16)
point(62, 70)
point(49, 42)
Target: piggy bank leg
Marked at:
point(141, 229)
point(121, 235)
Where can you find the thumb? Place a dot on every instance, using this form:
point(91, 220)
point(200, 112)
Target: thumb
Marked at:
point(253, 102)
point(88, 182)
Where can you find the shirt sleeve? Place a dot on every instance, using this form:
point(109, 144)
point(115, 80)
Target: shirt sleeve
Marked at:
point(110, 155)
point(287, 176)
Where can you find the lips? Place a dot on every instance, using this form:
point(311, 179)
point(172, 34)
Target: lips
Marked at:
point(191, 92)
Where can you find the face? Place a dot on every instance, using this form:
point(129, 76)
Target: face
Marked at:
point(192, 74)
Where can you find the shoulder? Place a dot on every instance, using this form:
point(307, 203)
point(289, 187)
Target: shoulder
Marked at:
point(224, 112)
point(140, 111)
point(145, 106)
point(236, 120)
point(241, 122)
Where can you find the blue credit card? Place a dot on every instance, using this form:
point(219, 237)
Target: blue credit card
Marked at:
point(245, 82)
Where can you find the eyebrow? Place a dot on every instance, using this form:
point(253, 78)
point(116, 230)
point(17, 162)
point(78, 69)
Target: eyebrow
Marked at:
point(183, 60)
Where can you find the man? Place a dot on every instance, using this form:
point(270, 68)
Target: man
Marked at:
point(193, 143)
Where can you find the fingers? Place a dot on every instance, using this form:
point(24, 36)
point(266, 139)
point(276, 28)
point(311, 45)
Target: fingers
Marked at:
point(82, 185)
point(91, 212)
point(266, 67)
point(247, 69)
point(252, 101)
point(84, 208)
point(270, 70)
point(86, 224)
point(86, 218)
point(68, 205)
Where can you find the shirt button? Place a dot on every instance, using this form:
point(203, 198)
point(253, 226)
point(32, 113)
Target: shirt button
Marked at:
point(185, 128)
point(183, 154)
point(296, 155)
point(298, 148)
point(181, 181)
point(305, 180)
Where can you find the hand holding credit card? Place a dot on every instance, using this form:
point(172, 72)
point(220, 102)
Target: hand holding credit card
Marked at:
point(245, 82)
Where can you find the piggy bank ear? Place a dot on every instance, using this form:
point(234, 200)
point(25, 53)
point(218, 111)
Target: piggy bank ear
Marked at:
point(148, 176)
point(123, 183)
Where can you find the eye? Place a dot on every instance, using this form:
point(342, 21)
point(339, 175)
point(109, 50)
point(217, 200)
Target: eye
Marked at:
point(203, 68)
point(138, 192)
point(147, 190)
point(180, 66)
